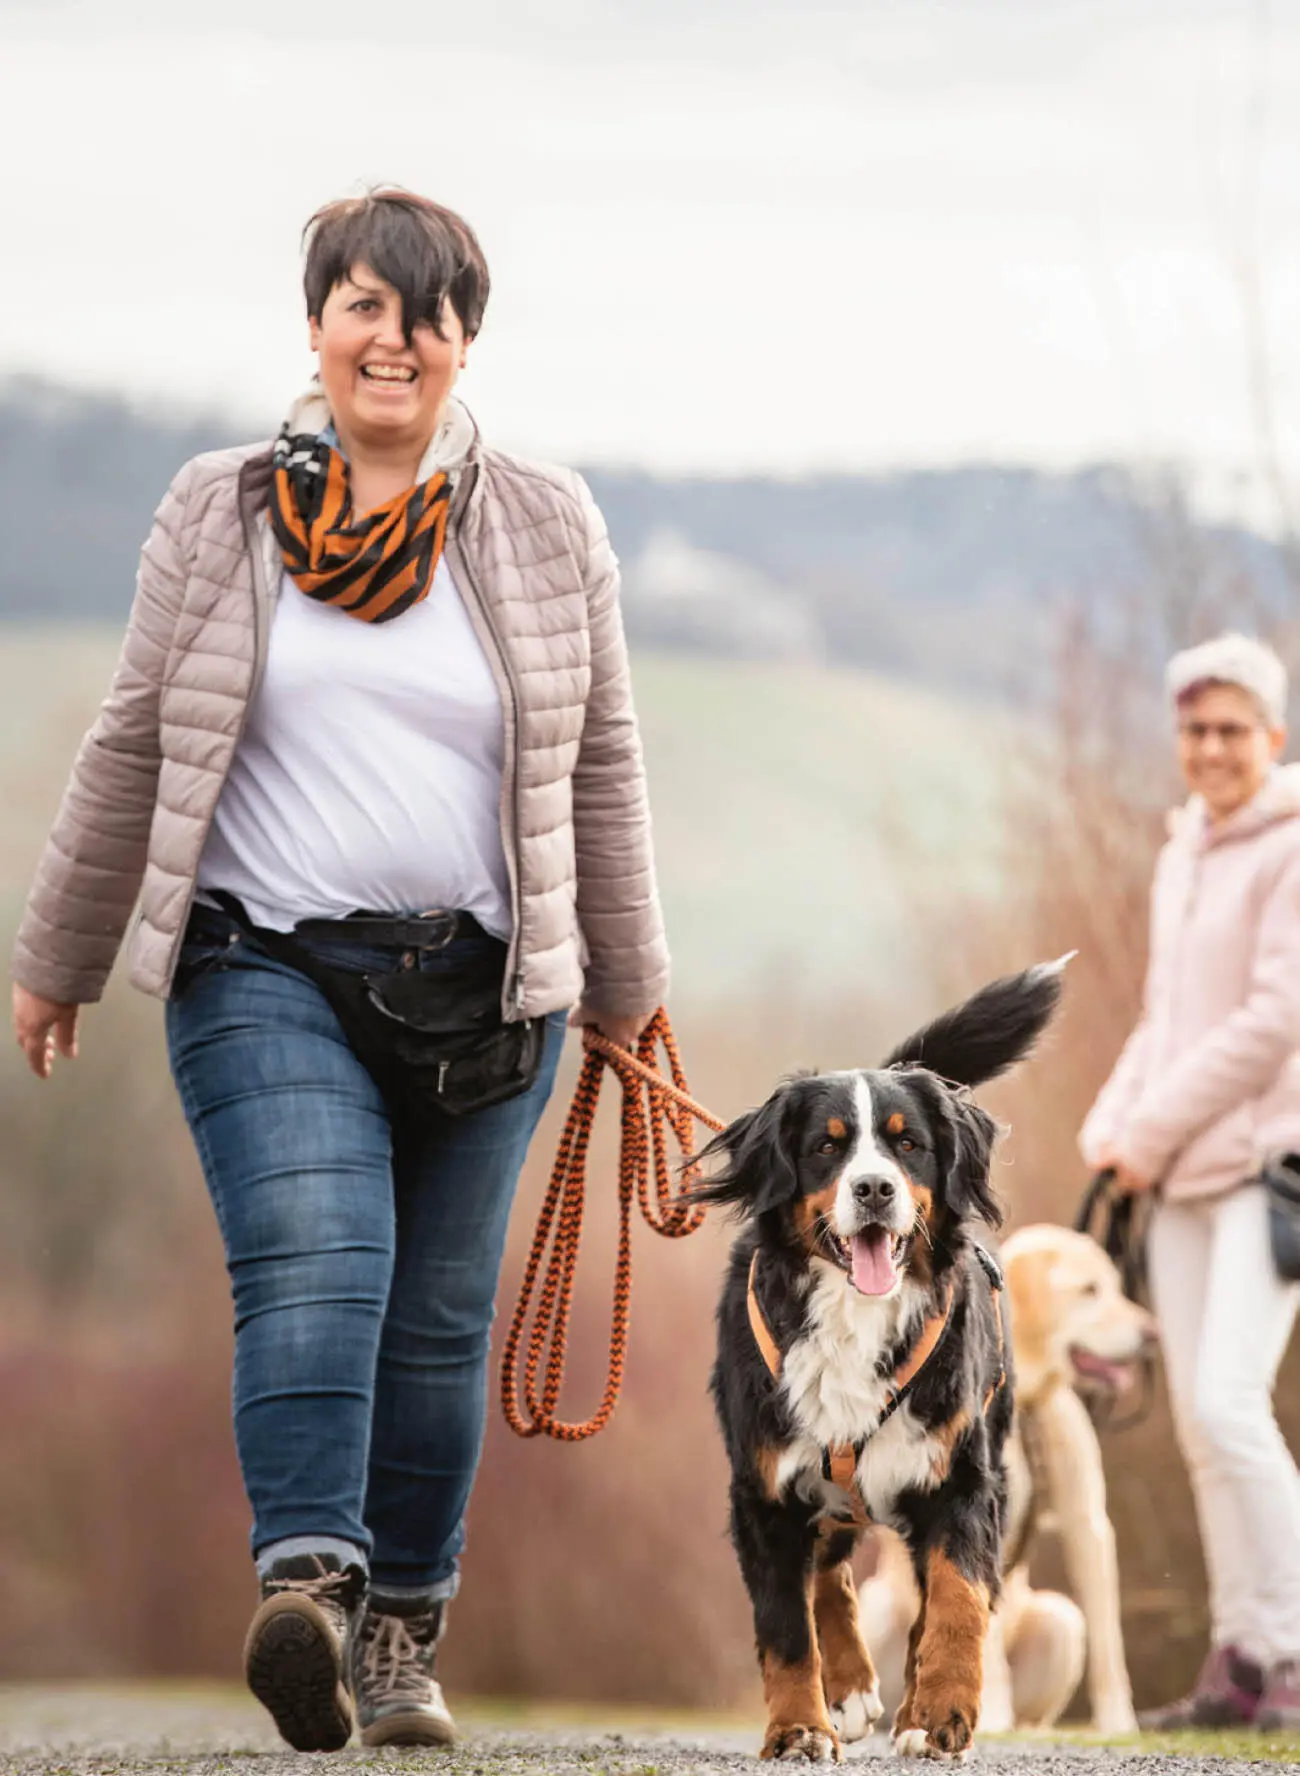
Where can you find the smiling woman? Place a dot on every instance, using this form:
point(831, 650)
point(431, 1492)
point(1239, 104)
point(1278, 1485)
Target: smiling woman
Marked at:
point(1205, 1093)
point(371, 763)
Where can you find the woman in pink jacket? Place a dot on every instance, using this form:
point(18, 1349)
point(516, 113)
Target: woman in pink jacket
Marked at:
point(1208, 1088)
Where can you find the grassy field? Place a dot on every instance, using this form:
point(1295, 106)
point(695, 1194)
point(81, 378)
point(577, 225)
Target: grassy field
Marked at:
point(1244, 1746)
point(793, 806)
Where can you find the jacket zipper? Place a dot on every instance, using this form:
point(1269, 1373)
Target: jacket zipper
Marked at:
point(261, 637)
point(516, 989)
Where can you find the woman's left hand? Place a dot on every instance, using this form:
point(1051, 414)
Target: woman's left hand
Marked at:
point(622, 1030)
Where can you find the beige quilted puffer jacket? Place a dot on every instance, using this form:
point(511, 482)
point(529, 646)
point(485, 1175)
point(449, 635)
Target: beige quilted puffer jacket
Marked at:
point(532, 560)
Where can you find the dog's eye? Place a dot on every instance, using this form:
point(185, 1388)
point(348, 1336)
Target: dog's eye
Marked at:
point(907, 1145)
point(828, 1146)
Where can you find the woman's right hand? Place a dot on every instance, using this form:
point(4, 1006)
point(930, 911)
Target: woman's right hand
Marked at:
point(1127, 1181)
point(42, 1026)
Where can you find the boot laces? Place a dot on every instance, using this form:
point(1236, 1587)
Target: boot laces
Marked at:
point(329, 1589)
point(396, 1664)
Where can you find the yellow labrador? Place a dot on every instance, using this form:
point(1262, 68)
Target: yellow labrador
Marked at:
point(1073, 1332)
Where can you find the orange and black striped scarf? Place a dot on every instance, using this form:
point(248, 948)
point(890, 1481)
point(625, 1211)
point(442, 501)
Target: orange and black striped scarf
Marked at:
point(373, 567)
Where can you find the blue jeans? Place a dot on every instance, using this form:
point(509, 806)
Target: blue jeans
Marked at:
point(363, 1264)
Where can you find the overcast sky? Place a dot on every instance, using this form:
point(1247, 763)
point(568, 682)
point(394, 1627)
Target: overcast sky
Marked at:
point(723, 234)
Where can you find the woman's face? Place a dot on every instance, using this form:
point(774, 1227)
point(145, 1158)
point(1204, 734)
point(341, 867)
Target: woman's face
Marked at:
point(383, 393)
point(1225, 747)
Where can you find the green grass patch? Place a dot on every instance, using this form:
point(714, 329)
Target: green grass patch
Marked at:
point(1241, 1744)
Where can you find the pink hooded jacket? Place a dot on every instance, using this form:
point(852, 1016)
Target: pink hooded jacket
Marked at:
point(1208, 1084)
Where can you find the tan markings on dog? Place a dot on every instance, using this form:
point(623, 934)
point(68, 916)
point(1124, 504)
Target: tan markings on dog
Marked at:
point(836, 1129)
point(846, 1663)
point(767, 1459)
point(897, 1123)
point(796, 1707)
point(947, 1436)
point(920, 1262)
point(950, 1657)
point(809, 1210)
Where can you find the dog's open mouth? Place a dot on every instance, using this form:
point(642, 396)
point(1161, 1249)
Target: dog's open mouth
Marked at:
point(1101, 1372)
point(873, 1258)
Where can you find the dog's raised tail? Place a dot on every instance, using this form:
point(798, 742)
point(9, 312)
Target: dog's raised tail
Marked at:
point(991, 1031)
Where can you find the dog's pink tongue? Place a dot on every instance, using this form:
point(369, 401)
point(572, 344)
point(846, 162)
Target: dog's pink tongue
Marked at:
point(874, 1271)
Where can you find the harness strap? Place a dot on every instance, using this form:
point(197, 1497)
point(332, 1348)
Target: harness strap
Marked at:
point(840, 1460)
point(1000, 1381)
point(840, 1467)
point(767, 1345)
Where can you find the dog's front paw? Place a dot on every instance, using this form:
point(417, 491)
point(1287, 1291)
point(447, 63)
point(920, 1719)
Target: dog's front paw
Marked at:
point(854, 1717)
point(950, 1742)
point(910, 1742)
point(789, 1740)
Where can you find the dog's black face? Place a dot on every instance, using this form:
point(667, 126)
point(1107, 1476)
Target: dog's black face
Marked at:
point(872, 1171)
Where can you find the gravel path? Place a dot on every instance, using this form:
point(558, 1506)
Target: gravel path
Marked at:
point(122, 1732)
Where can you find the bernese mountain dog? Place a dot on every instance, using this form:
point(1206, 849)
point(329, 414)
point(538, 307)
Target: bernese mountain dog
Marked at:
point(863, 1372)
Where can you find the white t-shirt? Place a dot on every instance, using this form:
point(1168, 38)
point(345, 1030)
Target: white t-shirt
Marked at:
point(369, 773)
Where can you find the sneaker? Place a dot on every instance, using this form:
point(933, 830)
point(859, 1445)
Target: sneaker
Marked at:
point(294, 1656)
point(1226, 1694)
point(391, 1662)
point(1279, 1706)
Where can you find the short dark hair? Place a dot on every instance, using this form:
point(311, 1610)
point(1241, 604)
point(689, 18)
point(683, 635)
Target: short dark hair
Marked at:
point(426, 252)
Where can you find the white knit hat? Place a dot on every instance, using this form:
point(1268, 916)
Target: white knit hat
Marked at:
point(1234, 660)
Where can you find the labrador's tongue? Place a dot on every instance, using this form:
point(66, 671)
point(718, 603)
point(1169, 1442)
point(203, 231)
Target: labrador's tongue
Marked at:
point(1116, 1375)
point(874, 1270)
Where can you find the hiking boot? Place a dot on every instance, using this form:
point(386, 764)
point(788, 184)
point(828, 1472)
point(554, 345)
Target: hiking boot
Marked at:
point(1279, 1706)
point(391, 1661)
point(295, 1653)
point(1226, 1694)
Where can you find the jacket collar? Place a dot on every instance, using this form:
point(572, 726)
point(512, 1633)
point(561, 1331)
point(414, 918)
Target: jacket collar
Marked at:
point(1278, 798)
point(456, 447)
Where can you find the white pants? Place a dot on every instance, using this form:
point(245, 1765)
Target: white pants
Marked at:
point(1225, 1319)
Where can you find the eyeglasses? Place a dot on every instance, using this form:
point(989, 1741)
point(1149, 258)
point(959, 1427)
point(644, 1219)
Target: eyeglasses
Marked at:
point(1226, 733)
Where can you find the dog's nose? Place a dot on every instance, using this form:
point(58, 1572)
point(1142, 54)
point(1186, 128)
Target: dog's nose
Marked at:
point(873, 1193)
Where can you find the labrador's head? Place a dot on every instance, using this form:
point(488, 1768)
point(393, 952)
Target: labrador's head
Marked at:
point(1071, 1320)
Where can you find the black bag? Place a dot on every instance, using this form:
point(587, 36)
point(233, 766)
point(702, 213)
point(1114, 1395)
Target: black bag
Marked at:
point(1281, 1179)
point(1118, 1222)
point(429, 1041)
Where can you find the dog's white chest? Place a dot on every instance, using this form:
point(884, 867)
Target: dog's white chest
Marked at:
point(829, 1378)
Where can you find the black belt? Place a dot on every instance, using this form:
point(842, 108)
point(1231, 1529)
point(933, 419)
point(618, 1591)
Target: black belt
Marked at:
point(433, 930)
point(424, 931)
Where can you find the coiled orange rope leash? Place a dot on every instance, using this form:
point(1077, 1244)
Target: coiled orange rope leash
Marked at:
point(652, 1106)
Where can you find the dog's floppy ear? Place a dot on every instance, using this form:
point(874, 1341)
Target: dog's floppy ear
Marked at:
point(965, 1149)
point(760, 1172)
point(969, 1177)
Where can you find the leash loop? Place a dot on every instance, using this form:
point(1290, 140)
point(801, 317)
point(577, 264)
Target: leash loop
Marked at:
point(653, 1108)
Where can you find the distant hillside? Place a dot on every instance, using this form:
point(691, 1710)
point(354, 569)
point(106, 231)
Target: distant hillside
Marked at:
point(953, 576)
point(793, 807)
